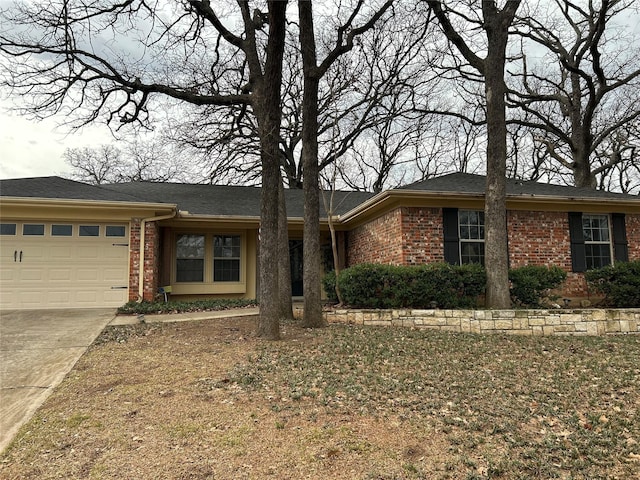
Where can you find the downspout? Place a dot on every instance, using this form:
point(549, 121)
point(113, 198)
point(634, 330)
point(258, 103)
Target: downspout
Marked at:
point(143, 227)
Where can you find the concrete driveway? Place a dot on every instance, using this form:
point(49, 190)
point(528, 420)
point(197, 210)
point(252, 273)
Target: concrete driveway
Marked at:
point(37, 349)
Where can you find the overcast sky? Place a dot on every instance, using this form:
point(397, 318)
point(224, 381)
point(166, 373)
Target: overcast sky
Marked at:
point(35, 148)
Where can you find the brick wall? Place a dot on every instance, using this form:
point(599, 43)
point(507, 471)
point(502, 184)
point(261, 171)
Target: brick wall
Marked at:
point(633, 236)
point(134, 258)
point(535, 238)
point(542, 238)
point(377, 241)
point(422, 235)
point(539, 238)
point(151, 260)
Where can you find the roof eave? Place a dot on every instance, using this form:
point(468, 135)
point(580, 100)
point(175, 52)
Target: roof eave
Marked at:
point(396, 196)
point(80, 203)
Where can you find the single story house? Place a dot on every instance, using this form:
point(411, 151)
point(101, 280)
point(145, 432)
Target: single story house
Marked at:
point(68, 244)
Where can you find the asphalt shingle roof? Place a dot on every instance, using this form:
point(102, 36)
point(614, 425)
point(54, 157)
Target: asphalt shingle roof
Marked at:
point(221, 200)
point(227, 200)
point(469, 183)
point(62, 188)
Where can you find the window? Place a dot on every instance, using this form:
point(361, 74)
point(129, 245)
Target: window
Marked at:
point(7, 228)
point(190, 258)
point(89, 230)
point(463, 236)
point(471, 234)
point(209, 263)
point(597, 240)
point(61, 230)
point(33, 229)
point(115, 231)
point(226, 258)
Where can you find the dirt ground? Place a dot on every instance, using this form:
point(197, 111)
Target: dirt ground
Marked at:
point(181, 401)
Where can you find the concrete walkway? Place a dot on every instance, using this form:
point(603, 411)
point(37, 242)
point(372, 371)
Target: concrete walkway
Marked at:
point(39, 347)
point(184, 317)
point(37, 350)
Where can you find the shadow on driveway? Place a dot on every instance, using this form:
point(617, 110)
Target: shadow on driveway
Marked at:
point(37, 349)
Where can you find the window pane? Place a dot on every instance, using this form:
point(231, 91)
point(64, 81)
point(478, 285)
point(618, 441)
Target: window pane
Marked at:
point(226, 270)
point(189, 270)
point(595, 228)
point(472, 252)
point(116, 231)
point(7, 228)
point(190, 258)
point(61, 230)
point(190, 246)
point(89, 230)
point(471, 224)
point(598, 255)
point(32, 229)
point(226, 258)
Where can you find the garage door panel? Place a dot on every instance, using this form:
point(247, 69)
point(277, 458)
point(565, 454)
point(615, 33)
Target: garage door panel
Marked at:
point(58, 298)
point(60, 274)
point(33, 253)
point(35, 274)
point(63, 271)
point(88, 274)
point(116, 253)
point(115, 275)
point(91, 252)
point(8, 274)
point(31, 298)
point(60, 252)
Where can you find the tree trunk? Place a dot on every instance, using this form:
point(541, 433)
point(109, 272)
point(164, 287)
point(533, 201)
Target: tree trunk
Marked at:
point(284, 262)
point(496, 238)
point(268, 115)
point(582, 173)
point(311, 234)
point(334, 250)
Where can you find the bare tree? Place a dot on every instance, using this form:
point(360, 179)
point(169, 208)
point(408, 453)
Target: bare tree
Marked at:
point(495, 23)
point(135, 161)
point(93, 61)
point(583, 91)
point(313, 71)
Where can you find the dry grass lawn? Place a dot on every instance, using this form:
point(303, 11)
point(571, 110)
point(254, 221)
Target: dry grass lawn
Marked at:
point(208, 400)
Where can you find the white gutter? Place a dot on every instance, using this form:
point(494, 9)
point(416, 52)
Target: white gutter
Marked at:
point(143, 227)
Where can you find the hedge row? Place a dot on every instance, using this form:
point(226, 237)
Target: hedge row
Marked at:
point(619, 283)
point(390, 286)
point(439, 284)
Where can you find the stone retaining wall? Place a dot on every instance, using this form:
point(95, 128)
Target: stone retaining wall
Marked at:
point(519, 322)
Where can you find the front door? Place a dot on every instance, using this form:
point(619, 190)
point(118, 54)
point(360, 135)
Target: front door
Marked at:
point(295, 257)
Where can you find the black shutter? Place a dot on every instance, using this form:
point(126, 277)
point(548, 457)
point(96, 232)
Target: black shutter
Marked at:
point(578, 254)
point(620, 248)
point(451, 236)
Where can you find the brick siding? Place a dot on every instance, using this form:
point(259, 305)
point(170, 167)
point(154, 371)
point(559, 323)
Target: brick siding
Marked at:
point(535, 238)
point(151, 260)
point(377, 241)
point(422, 235)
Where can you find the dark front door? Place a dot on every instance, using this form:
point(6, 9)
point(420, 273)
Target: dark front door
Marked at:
point(295, 257)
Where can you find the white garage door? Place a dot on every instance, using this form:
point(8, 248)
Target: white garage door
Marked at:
point(63, 265)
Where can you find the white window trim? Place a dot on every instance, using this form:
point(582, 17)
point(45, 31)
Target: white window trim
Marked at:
point(600, 242)
point(467, 240)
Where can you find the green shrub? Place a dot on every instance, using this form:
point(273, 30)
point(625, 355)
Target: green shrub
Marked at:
point(390, 286)
point(531, 284)
point(619, 283)
point(329, 285)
